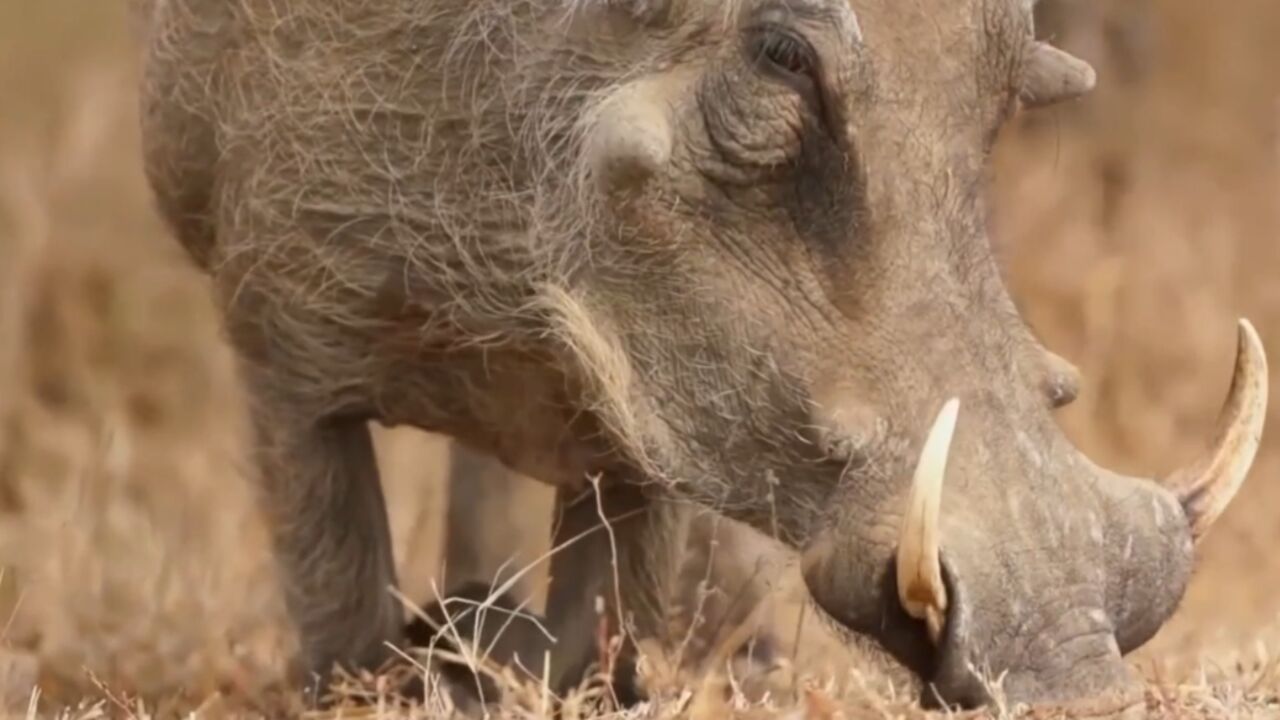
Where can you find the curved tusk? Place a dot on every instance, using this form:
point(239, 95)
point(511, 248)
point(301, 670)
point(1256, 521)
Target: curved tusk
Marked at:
point(1207, 487)
point(920, 587)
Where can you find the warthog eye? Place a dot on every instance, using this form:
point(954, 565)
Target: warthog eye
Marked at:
point(784, 54)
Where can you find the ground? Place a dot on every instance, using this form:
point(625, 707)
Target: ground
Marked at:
point(1135, 227)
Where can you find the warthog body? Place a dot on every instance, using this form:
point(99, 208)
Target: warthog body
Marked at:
point(728, 253)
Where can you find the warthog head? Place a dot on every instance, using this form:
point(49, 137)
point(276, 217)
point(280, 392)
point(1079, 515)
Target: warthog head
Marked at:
point(792, 310)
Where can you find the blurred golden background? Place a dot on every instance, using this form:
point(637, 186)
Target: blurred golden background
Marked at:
point(1136, 226)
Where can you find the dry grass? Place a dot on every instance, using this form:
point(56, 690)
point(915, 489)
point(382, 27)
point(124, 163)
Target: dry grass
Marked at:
point(1136, 226)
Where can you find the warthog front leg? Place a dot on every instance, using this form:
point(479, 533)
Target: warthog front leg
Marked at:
point(632, 567)
point(583, 612)
point(322, 496)
point(610, 564)
point(482, 544)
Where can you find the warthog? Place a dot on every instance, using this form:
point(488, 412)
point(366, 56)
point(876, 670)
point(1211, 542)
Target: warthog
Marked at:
point(729, 253)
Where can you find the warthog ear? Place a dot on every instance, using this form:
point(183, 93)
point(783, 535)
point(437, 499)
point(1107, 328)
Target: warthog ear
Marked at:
point(1051, 76)
point(630, 139)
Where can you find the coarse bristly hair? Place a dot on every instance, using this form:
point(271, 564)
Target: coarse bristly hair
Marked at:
point(430, 152)
point(479, 189)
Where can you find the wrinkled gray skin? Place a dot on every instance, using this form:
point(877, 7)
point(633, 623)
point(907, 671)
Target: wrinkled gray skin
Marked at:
point(753, 291)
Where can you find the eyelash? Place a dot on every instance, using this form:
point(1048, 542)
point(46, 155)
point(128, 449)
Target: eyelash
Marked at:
point(780, 51)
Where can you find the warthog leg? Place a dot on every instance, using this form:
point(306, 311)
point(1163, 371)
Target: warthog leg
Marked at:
point(479, 538)
point(605, 581)
point(639, 579)
point(320, 488)
point(583, 629)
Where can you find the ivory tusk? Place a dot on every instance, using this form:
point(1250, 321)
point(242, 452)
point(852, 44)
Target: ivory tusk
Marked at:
point(1206, 487)
point(920, 587)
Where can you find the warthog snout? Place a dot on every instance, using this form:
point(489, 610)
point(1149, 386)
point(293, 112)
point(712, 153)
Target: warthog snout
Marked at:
point(1042, 584)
